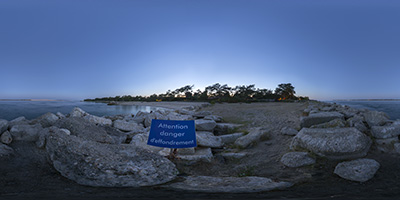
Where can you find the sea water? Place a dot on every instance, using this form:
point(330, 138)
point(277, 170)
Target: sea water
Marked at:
point(10, 110)
point(391, 108)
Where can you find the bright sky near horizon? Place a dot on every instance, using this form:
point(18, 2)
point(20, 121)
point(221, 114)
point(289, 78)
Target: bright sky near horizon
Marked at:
point(76, 49)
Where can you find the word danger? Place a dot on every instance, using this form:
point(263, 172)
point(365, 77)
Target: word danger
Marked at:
point(172, 133)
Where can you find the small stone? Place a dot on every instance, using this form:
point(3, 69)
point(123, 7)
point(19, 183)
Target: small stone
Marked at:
point(360, 170)
point(6, 137)
point(5, 150)
point(289, 131)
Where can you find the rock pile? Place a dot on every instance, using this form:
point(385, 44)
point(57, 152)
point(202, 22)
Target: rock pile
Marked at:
point(112, 151)
point(341, 133)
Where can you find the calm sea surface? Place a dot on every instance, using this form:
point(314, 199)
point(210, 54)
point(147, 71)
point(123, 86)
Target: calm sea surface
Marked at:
point(31, 109)
point(392, 108)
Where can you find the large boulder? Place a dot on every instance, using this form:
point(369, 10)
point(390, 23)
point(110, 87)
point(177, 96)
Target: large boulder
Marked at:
point(107, 165)
point(255, 135)
point(319, 118)
point(208, 139)
point(3, 125)
point(127, 125)
point(77, 112)
point(25, 132)
point(382, 132)
point(336, 123)
point(205, 125)
point(357, 122)
point(98, 120)
point(229, 184)
point(297, 159)
point(375, 118)
point(140, 140)
point(333, 143)
point(85, 129)
point(47, 120)
point(360, 170)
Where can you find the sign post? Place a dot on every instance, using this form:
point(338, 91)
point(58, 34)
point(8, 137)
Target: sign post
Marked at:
point(172, 133)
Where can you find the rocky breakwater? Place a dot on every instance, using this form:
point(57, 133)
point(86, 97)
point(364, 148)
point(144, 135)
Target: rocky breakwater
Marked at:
point(112, 151)
point(343, 135)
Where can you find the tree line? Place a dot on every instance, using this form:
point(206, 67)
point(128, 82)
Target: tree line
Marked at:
point(217, 93)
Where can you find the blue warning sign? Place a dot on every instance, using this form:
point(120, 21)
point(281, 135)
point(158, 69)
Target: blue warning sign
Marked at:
point(172, 133)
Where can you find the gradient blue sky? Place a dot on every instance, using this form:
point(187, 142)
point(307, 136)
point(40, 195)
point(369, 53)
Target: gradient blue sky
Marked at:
point(76, 49)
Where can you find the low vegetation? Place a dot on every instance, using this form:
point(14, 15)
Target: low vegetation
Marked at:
point(217, 93)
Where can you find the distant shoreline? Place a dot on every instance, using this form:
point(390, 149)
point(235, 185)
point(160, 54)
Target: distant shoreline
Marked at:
point(30, 100)
point(366, 100)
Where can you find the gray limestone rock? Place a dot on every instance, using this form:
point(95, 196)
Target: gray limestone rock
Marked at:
point(360, 170)
point(319, 118)
point(229, 184)
point(333, 143)
point(297, 159)
point(82, 128)
point(6, 137)
point(205, 125)
point(47, 120)
point(201, 154)
point(140, 140)
point(208, 139)
point(376, 118)
point(77, 112)
point(127, 125)
point(336, 123)
point(382, 132)
point(255, 135)
point(25, 132)
point(98, 120)
point(107, 165)
point(289, 131)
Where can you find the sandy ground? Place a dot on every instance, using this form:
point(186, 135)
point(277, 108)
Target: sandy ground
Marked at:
point(27, 175)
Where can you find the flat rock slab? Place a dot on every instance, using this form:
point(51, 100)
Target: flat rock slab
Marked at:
point(360, 170)
point(382, 132)
point(205, 125)
point(201, 154)
point(229, 184)
point(225, 128)
point(333, 143)
point(207, 139)
point(319, 118)
point(107, 165)
point(253, 137)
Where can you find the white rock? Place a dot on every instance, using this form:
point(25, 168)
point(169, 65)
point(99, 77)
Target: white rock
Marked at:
point(360, 170)
point(127, 125)
point(201, 154)
point(333, 143)
point(77, 112)
point(98, 120)
point(253, 137)
point(205, 125)
point(289, 131)
point(140, 140)
point(207, 139)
